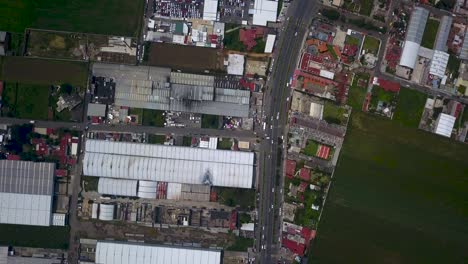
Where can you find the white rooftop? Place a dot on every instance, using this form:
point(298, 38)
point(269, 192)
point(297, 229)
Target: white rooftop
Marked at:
point(210, 10)
point(138, 161)
point(439, 63)
point(236, 64)
point(270, 43)
point(264, 11)
point(132, 253)
point(410, 54)
point(444, 125)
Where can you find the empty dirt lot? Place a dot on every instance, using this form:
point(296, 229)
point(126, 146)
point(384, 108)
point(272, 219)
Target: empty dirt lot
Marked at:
point(186, 58)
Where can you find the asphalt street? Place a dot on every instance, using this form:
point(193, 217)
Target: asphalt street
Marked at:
point(287, 50)
point(240, 134)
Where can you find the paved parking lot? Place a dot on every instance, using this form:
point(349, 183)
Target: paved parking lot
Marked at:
point(178, 9)
point(234, 11)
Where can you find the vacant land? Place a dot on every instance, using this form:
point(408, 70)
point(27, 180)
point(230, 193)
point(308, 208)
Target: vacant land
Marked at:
point(47, 72)
point(311, 148)
point(371, 45)
point(225, 143)
point(156, 139)
point(210, 121)
point(409, 107)
point(358, 91)
point(366, 7)
point(399, 197)
point(116, 17)
point(241, 244)
point(333, 113)
point(26, 101)
point(353, 41)
point(187, 58)
point(153, 118)
point(235, 197)
point(430, 33)
point(34, 236)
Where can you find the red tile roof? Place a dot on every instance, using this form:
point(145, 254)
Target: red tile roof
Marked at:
point(61, 173)
point(389, 85)
point(13, 157)
point(295, 247)
point(290, 168)
point(302, 186)
point(304, 174)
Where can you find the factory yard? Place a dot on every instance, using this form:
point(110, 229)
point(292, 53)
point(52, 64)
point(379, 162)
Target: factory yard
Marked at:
point(190, 59)
point(419, 220)
point(87, 16)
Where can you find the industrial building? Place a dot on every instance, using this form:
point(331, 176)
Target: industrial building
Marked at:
point(158, 88)
point(443, 33)
point(264, 11)
point(160, 163)
point(210, 10)
point(108, 252)
point(26, 192)
point(414, 36)
point(439, 63)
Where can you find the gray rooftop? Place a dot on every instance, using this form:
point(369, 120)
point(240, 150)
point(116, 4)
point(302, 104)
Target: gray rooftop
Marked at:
point(443, 33)
point(26, 177)
point(96, 109)
point(417, 25)
point(160, 89)
point(464, 49)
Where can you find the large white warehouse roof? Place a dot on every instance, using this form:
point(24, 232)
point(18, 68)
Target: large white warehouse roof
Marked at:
point(148, 162)
point(26, 190)
point(132, 253)
point(264, 11)
point(410, 54)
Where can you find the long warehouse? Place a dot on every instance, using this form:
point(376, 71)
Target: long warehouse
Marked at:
point(133, 253)
point(136, 161)
point(26, 190)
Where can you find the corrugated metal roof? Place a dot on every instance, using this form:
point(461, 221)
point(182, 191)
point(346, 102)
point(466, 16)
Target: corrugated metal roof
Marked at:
point(439, 63)
point(464, 49)
point(117, 187)
point(26, 177)
point(210, 10)
point(270, 43)
point(444, 125)
point(192, 79)
point(25, 209)
point(264, 11)
point(409, 54)
point(136, 161)
point(443, 33)
point(133, 253)
point(96, 109)
point(192, 92)
point(417, 25)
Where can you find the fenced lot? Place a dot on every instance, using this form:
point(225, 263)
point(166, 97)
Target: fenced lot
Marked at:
point(188, 58)
point(47, 72)
point(116, 17)
point(399, 195)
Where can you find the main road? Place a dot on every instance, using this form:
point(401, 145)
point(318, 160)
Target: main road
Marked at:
point(287, 50)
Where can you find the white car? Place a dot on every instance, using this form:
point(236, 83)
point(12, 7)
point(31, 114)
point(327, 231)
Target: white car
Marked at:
point(295, 34)
point(273, 189)
point(277, 116)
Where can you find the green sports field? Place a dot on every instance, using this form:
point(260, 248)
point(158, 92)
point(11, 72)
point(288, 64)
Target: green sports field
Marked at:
point(399, 196)
point(117, 17)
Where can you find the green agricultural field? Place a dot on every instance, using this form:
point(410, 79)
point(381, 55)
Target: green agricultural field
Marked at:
point(409, 107)
point(371, 45)
point(47, 72)
point(34, 236)
point(26, 101)
point(357, 91)
point(399, 196)
point(115, 17)
point(430, 33)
